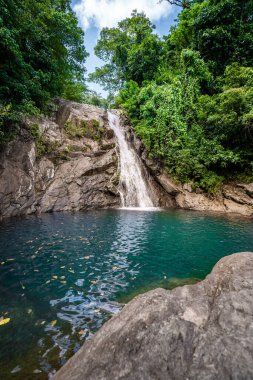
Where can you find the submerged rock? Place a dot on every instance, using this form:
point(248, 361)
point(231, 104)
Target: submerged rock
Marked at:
point(201, 331)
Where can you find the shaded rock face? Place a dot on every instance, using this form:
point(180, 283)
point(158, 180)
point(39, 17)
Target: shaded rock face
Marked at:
point(233, 198)
point(201, 331)
point(77, 168)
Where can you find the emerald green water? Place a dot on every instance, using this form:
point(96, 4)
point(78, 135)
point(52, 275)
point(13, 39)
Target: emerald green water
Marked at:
point(63, 275)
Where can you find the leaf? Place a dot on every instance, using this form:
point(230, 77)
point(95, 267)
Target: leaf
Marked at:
point(37, 371)
point(71, 271)
point(4, 321)
point(55, 277)
point(97, 311)
point(3, 262)
point(53, 323)
point(81, 332)
point(86, 257)
point(94, 282)
point(115, 268)
point(63, 267)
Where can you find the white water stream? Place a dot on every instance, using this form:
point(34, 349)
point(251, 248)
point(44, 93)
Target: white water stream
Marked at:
point(133, 187)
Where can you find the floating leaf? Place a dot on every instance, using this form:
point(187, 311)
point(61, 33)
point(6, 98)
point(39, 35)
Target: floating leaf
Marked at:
point(37, 371)
point(63, 282)
point(53, 323)
point(55, 277)
point(47, 282)
point(81, 332)
point(4, 321)
point(63, 267)
point(16, 369)
point(97, 311)
point(36, 270)
point(43, 322)
point(3, 262)
point(115, 268)
point(11, 259)
point(71, 271)
point(86, 257)
point(62, 277)
point(94, 282)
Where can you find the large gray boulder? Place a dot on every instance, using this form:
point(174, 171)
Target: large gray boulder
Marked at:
point(202, 331)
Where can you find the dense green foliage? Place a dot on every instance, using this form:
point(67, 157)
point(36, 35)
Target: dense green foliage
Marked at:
point(132, 50)
point(190, 95)
point(41, 56)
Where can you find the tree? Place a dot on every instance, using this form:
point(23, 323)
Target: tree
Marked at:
point(181, 3)
point(223, 33)
point(131, 52)
point(41, 47)
point(41, 53)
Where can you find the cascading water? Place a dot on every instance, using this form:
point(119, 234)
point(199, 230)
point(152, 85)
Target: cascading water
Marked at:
point(133, 187)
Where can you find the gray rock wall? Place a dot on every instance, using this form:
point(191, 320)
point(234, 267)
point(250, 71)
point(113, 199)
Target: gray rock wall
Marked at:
point(76, 170)
point(195, 332)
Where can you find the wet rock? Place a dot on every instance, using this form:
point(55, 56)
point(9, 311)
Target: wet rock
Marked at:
point(230, 199)
point(194, 332)
point(247, 187)
point(167, 184)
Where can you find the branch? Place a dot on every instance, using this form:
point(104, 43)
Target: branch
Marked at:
point(181, 3)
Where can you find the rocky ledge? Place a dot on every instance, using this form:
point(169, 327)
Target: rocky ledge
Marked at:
point(202, 331)
point(67, 163)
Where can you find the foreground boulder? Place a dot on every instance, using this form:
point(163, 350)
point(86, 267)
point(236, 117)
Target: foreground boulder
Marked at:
point(202, 331)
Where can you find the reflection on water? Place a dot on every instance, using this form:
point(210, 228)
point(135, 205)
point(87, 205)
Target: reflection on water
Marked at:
point(62, 275)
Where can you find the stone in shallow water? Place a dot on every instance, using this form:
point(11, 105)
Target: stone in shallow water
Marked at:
point(201, 331)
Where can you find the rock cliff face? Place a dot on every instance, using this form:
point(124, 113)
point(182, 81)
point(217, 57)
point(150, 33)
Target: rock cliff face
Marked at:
point(231, 198)
point(202, 331)
point(70, 165)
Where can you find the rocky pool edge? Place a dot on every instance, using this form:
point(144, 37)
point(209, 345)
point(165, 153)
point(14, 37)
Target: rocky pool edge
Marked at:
point(201, 331)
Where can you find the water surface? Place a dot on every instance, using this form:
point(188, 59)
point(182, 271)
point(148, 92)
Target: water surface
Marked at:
point(63, 275)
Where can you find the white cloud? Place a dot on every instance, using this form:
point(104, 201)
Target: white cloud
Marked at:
point(102, 13)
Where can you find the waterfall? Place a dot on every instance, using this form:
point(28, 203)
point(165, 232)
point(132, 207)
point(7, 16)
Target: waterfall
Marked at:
point(133, 187)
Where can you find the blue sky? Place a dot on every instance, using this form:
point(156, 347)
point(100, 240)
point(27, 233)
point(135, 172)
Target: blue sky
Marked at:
point(93, 15)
